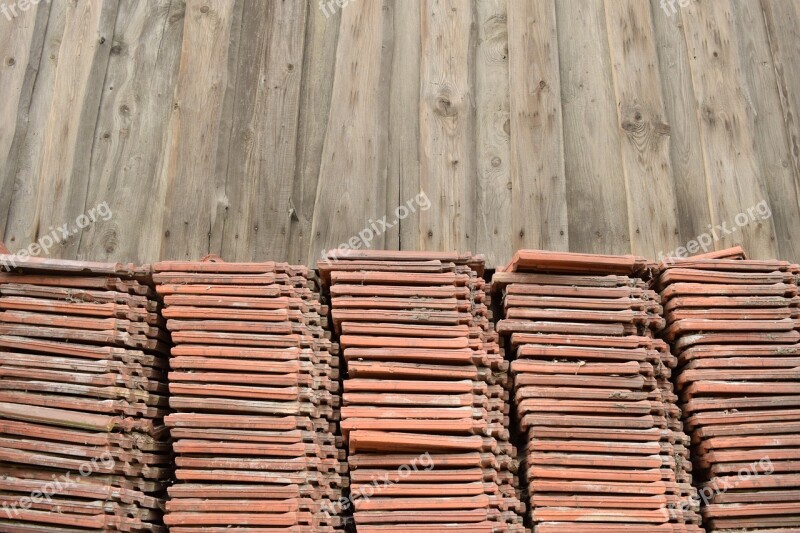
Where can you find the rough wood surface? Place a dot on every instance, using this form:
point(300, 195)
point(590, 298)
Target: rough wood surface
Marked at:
point(262, 130)
point(539, 186)
point(592, 138)
point(734, 179)
point(652, 210)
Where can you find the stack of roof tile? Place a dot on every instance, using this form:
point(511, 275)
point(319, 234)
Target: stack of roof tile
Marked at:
point(254, 381)
point(605, 448)
point(82, 398)
point(425, 411)
point(734, 327)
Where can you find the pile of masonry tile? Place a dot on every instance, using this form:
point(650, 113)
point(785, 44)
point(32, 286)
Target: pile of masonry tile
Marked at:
point(83, 356)
point(734, 327)
point(425, 410)
point(254, 383)
point(605, 447)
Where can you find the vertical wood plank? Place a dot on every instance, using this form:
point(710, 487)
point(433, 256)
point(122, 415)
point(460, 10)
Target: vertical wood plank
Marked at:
point(596, 197)
point(190, 165)
point(22, 41)
point(539, 197)
point(319, 61)
point(652, 209)
point(757, 76)
point(351, 191)
point(70, 131)
point(404, 122)
point(686, 153)
point(783, 31)
point(735, 183)
point(447, 125)
point(131, 128)
point(28, 145)
point(493, 130)
point(264, 135)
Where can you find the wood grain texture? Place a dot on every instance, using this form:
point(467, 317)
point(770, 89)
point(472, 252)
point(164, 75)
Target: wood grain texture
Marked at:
point(263, 139)
point(351, 190)
point(276, 129)
point(493, 131)
point(783, 31)
point(686, 153)
point(652, 209)
point(734, 179)
point(69, 135)
point(28, 145)
point(131, 129)
point(592, 139)
point(447, 125)
point(757, 74)
point(403, 174)
point(319, 61)
point(194, 186)
point(21, 47)
point(539, 186)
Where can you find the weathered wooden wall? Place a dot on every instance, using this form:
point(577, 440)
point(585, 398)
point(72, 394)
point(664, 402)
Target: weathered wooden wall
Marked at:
point(273, 129)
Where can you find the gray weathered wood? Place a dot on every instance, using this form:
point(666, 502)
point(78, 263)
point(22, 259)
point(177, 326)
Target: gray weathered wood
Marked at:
point(189, 168)
point(652, 210)
point(319, 60)
point(264, 135)
point(21, 46)
point(351, 191)
point(447, 125)
point(539, 187)
point(686, 153)
point(757, 74)
point(131, 130)
point(593, 161)
point(732, 171)
point(403, 175)
point(493, 129)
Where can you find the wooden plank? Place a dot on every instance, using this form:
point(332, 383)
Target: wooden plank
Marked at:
point(319, 60)
point(539, 199)
point(593, 161)
point(22, 41)
point(351, 191)
point(131, 130)
point(652, 209)
point(189, 166)
point(447, 126)
point(680, 106)
point(264, 135)
point(70, 131)
point(757, 76)
point(26, 153)
point(783, 31)
point(403, 176)
point(734, 179)
point(493, 131)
